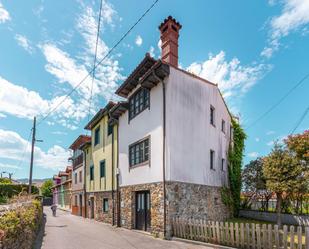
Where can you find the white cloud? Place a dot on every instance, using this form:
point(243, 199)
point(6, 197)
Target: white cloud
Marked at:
point(70, 69)
point(26, 104)
point(231, 77)
point(12, 146)
point(108, 12)
point(257, 139)
point(4, 14)
point(2, 115)
point(294, 17)
point(9, 166)
point(152, 51)
point(270, 133)
point(138, 40)
point(253, 154)
point(19, 101)
point(24, 43)
point(270, 143)
point(59, 133)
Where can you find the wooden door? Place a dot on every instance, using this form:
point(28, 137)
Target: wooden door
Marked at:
point(80, 205)
point(92, 208)
point(143, 216)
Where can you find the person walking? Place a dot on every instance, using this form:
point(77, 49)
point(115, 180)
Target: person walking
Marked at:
point(54, 209)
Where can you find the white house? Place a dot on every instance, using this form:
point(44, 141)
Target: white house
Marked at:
point(174, 134)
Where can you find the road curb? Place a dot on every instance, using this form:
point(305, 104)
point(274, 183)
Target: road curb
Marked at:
point(201, 243)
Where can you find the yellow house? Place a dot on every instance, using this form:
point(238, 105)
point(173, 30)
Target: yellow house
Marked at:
point(101, 167)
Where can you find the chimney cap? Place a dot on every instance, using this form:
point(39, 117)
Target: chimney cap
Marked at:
point(170, 18)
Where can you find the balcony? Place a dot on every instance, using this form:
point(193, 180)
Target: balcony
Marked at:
point(77, 161)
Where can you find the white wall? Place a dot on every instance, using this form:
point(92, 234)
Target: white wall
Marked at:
point(148, 122)
point(190, 136)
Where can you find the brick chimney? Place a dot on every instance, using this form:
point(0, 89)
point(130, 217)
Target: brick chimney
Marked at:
point(169, 29)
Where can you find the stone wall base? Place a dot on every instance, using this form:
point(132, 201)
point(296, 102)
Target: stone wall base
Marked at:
point(99, 213)
point(183, 200)
point(128, 206)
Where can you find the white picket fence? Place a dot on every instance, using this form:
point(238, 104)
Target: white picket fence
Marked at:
point(249, 235)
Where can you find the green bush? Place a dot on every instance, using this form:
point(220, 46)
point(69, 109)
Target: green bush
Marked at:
point(20, 226)
point(9, 190)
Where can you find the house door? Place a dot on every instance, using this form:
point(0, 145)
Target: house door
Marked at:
point(143, 216)
point(80, 205)
point(91, 207)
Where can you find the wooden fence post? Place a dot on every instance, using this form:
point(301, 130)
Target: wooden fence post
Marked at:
point(285, 237)
point(299, 237)
point(276, 236)
point(242, 237)
point(270, 236)
point(291, 237)
point(248, 235)
point(253, 235)
point(237, 235)
point(218, 232)
point(307, 238)
point(258, 236)
point(227, 232)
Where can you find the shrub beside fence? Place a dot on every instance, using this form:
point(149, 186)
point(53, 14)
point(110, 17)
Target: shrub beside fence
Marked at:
point(19, 225)
point(242, 235)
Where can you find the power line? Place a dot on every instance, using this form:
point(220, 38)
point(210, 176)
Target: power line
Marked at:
point(300, 120)
point(99, 63)
point(278, 102)
point(95, 58)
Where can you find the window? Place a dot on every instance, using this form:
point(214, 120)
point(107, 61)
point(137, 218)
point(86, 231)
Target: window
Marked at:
point(75, 178)
point(97, 136)
point(223, 126)
point(139, 152)
point(105, 205)
point(91, 173)
point(212, 159)
point(102, 169)
point(222, 164)
point(212, 115)
point(109, 129)
point(75, 200)
point(138, 102)
point(80, 176)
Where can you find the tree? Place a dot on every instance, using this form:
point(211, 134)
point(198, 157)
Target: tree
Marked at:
point(282, 173)
point(254, 182)
point(298, 145)
point(5, 181)
point(47, 188)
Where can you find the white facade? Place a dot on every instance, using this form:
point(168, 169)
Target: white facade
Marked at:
point(147, 123)
point(189, 134)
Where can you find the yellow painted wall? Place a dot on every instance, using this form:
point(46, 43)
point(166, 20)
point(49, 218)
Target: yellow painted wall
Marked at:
point(100, 152)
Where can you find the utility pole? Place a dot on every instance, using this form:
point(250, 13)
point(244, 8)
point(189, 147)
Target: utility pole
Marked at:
point(32, 151)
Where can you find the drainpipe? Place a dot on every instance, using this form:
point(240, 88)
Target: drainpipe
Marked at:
point(117, 179)
point(163, 156)
point(85, 195)
point(113, 214)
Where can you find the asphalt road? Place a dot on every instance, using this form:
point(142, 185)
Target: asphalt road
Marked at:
point(66, 231)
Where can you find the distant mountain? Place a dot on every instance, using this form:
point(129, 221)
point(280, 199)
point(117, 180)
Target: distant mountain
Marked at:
point(34, 181)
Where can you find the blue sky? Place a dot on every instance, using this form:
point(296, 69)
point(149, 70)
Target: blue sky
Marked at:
point(255, 50)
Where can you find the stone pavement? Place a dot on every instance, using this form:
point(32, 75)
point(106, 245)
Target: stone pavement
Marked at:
point(66, 231)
